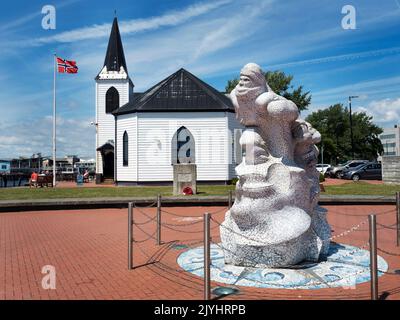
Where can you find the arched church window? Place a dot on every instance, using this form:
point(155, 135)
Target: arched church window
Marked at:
point(125, 154)
point(112, 100)
point(183, 147)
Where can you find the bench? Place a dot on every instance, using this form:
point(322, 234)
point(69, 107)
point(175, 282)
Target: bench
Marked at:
point(44, 181)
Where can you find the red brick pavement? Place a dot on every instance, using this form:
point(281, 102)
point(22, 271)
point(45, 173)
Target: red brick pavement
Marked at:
point(88, 248)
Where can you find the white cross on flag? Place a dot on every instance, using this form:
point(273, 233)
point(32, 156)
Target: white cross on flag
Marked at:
point(66, 66)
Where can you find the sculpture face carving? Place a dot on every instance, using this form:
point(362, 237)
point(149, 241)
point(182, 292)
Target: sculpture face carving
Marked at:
point(251, 82)
point(258, 106)
point(251, 85)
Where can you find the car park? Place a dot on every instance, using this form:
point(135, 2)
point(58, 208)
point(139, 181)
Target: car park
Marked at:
point(346, 170)
point(323, 167)
point(372, 171)
point(337, 171)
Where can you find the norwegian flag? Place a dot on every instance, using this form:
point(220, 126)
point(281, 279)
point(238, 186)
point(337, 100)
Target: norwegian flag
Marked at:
point(66, 66)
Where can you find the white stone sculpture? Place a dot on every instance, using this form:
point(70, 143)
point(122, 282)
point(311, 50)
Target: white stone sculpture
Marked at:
point(275, 220)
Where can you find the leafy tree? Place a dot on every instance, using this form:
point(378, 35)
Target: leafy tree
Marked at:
point(334, 125)
point(281, 84)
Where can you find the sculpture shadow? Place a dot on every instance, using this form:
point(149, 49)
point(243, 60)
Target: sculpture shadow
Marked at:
point(334, 248)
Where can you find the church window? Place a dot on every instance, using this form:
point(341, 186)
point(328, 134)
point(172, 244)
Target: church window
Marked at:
point(112, 100)
point(183, 147)
point(125, 149)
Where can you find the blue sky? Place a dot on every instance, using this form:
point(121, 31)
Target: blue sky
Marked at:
point(211, 38)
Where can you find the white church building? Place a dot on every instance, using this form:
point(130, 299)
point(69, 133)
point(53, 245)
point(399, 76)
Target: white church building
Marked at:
point(139, 136)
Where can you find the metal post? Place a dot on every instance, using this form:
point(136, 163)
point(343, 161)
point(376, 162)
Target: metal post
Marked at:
point(159, 220)
point(322, 154)
point(398, 216)
point(373, 257)
point(230, 201)
point(130, 235)
point(54, 123)
point(351, 125)
point(207, 259)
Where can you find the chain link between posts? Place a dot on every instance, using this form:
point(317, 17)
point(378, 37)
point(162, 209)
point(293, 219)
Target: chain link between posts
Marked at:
point(174, 226)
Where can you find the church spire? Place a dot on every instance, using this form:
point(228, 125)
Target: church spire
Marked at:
point(115, 58)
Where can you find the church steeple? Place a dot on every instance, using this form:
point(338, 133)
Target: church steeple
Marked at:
point(115, 58)
point(114, 67)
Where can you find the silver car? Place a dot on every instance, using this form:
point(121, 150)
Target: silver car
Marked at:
point(337, 172)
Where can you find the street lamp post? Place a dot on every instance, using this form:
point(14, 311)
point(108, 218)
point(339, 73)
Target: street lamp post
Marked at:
point(322, 154)
point(351, 125)
point(39, 160)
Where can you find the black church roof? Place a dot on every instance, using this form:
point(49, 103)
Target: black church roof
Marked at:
point(181, 91)
point(115, 58)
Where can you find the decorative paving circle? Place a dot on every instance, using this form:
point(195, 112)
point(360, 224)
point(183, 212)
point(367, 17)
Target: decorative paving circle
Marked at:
point(345, 266)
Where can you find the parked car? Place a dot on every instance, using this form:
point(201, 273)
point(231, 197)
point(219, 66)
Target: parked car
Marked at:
point(345, 170)
point(336, 172)
point(367, 171)
point(322, 167)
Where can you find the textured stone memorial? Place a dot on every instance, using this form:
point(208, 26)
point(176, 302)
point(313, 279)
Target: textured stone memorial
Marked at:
point(185, 175)
point(275, 220)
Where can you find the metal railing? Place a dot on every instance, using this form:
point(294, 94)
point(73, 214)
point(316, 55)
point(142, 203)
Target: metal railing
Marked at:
point(203, 236)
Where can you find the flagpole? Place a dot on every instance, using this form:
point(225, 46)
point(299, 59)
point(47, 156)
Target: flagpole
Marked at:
point(54, 121)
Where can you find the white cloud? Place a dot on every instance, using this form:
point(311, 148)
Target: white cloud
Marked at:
point(29, 137)
point(132, 26)
point(195, 46)
point(364, 88)
point(385, 111)
point(343, 57)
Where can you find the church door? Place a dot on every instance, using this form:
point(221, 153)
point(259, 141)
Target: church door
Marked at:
point(108, 165)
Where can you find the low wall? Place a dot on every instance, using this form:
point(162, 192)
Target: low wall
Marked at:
point(391, 169)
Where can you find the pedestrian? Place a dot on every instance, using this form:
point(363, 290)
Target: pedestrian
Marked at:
point(33, 179)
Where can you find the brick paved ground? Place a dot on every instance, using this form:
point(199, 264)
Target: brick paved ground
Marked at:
point(88, 248)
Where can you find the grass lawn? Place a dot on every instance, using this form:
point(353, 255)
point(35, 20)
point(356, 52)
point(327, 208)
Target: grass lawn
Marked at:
point(351, 188)
point(104, 192)
point(363, 188)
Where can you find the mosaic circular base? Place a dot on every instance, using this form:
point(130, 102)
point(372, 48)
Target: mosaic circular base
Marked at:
point(345, 266)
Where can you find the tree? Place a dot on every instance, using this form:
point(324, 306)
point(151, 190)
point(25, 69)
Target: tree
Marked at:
point(334, 125)
point(281, 84)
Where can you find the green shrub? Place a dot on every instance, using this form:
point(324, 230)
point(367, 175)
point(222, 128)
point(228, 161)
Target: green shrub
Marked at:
point(321, 177)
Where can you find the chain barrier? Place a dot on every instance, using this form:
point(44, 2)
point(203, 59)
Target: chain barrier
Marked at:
point(150, 219)
point(151, 236)
point(342, 228)
point(160, 264)
point(346, 232)
point(224, 209)
point(391, 227)
point(314, 280)
point(182, 224)
point(184, 216)
point(153, 204)
point(389, 253)
point(170, 228)
point(145, 222)
point(144, 240)
point(354, 228)
point(389, 273)
point(177, 215)
point(142, 212)
point(359, 215)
